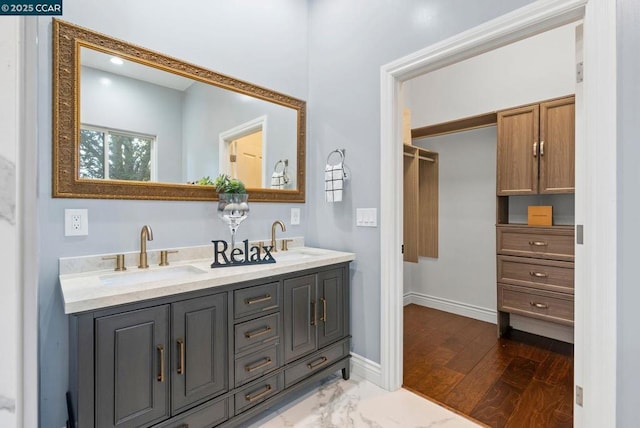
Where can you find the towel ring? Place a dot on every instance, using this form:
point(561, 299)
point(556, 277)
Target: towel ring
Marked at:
point(338, 151)
point(284, 163)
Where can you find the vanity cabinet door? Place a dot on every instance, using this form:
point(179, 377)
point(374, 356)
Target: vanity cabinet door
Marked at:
point(331, 305)
point(300, 316)
point(199, 341)
point(132, 367)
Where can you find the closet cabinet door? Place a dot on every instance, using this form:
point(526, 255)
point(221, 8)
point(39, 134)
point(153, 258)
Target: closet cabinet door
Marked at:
point(517, 163)
point(131, 368)
point(557, 146)
point(199, 338)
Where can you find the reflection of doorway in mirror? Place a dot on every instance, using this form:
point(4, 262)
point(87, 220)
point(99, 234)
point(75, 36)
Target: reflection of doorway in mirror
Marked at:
point(246, 159)
point(251, 156)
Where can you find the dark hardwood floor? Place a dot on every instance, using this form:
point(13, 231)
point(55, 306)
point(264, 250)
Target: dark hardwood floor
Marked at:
point(519, 381)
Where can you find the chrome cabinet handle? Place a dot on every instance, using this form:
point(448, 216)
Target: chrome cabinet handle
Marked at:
point(161, 356)
point(539, 305)
point(539, 274)
point(258, 396)
point(180, 356)
point(538, 243)
point(324, 309)
point(267, 361)
point(541, 148)
point(317, 363)
point(253, 301)
point(256, 333)
point(535, 149)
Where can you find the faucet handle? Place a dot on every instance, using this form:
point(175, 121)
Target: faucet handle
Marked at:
point(285, 244)
point(119, 258)
point(164, 257)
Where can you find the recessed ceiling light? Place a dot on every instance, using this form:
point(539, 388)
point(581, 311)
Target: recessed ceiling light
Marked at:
point(117, 60)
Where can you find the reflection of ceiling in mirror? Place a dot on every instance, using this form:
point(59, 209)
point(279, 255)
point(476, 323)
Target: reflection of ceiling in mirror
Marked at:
point(102, 61)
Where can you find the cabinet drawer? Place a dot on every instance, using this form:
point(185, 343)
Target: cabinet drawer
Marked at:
point(256, 364)
point(258, 392)
point(257, 332)
point(537, 242)
point(206, 415)
point(545, 305)
point(543, 274)
point(317, 361)
point(254, 300)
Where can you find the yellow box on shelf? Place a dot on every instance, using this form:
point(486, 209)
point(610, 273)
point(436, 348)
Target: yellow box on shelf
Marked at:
point(540, 215)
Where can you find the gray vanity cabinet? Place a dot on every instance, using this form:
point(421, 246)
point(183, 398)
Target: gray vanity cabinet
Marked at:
point(314, 312)
point(214, 357)
point(199, 340)
point(131, 384)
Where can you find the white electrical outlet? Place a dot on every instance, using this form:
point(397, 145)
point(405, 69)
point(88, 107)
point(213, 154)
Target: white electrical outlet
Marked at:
point(76, 222)
point(295, 216)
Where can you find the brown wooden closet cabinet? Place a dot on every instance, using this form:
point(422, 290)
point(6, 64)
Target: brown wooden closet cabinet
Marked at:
point(536, 145)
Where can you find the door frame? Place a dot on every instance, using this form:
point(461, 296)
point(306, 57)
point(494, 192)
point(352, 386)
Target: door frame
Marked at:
point(227, 137)
point(595, 264)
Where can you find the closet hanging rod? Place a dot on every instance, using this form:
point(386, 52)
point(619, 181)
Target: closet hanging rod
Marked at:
point(425, 158)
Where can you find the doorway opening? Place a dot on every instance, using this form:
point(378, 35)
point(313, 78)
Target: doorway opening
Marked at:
point(595, 331)
point(242, 150)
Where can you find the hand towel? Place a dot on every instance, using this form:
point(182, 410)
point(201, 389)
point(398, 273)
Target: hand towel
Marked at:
point(277, 180)
point(333, 182)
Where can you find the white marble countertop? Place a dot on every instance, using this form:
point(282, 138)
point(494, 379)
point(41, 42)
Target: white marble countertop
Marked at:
point(86, 288)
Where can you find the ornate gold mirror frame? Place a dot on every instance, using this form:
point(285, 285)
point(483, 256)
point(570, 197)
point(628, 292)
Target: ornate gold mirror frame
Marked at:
point(67, 41)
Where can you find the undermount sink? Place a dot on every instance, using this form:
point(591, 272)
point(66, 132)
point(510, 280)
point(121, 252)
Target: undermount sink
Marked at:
point(297, 254)
point(159, 274)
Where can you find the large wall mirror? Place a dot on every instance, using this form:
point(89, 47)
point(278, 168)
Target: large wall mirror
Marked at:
point(130, 123)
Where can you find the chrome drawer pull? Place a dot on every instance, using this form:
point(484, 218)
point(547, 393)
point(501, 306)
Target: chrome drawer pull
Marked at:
point(258, 396)
point(256, 333)
point(538, 243)
point(267, 361)
point(539, 305)
point(539, 274)
point(254, 300)
point(315, 364)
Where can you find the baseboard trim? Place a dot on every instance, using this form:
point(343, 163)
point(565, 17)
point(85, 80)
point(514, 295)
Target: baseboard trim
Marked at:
point(452, 306)
point(366, 369)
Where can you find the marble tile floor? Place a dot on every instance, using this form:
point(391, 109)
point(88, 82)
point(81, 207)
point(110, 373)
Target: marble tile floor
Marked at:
point(358, 403)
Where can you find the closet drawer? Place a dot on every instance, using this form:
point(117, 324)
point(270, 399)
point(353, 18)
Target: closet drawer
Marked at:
point(257, 299)
point(256, 332)
point(538, 242)
point(548, 275)
point(544, 305)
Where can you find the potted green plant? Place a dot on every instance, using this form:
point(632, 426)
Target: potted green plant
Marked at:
point(233, 207)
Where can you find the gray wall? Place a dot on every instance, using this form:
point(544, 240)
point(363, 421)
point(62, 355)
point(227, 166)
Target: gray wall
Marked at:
point(628, 209)
point(465, 269)
point(273, 54)
point(209, 111)
point(349, 42)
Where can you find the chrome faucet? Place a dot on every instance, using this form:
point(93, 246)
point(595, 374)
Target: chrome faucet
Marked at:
point(273, 234)
point(146, 234)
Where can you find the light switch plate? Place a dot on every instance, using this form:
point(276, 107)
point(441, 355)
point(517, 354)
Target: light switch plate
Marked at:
point(76, 222)
point(295, 216)
point(367, 217)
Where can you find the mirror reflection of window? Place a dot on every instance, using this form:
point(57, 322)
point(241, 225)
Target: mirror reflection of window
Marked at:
point(246, 159)
point(117, 155)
